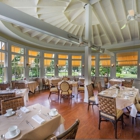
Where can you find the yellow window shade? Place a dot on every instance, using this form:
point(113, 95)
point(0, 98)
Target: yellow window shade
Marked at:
point(128, 56)
point(104, 56)
point(63, 56)
point(128, 63)
point(76, 57)
point(15, 49)
point(2, 58)
point(92, 57)
point(33, 53)
point(92, 63)
point(76, 63)
point(21, 62)
point(61, 62)
point(47, 62)
point(48, 55)
point(105, 63)
point(31, 60)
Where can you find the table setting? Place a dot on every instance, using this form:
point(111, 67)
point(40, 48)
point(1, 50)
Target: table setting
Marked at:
point(124, 97)
point(31, 123)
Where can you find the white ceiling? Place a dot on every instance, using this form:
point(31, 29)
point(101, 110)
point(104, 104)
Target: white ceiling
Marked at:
point(69, 15)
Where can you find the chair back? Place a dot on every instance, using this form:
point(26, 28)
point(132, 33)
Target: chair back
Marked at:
point(70, 133)
point(3, 86)
point(107, 105)
point(45, 81)
point(13, 84)
point(64, 86)
point(11, 103)
point(65, 78)
point(99, 87)
point(90, 90)
point(38, 80)
point(106, 80)
point(127, 83)
point(55, 82)
point(20, 85)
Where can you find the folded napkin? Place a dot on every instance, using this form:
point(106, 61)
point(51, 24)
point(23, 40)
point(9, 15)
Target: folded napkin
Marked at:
point(24, 109)
point(38, 119)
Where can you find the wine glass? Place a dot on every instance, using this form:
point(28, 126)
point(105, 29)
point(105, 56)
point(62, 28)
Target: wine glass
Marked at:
point(19, 112)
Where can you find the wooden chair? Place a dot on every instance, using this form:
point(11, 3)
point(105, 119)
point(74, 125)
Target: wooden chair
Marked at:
point(54, 88)
point(106, 82)
point(45, 83)
point(70, 133)
point(11, 103)
point(65, 89)
point(5, 96)
point(20, 85)
point(3, 86)
point(39, 81)
point(108, 111)
point(13, 84)
point(99, 87)
point(127, 83)
point(91, 98)
point(65, 78)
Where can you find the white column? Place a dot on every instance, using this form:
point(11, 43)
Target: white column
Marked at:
point(69, 65)
point(97, 60)
point(113, 68)
point(138, 64)
point(8, 76)
point(55, 63)
point(26, 58)
point(42, 70)
point(83, 65)
point(89, 37)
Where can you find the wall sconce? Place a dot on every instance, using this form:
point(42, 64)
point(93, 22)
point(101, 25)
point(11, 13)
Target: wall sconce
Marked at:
point(27, 64)
point(139, 64)
point(57, 65)
point(83, 65)
point(112, 65)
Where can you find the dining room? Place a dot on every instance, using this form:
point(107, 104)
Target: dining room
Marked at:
point(69, 69)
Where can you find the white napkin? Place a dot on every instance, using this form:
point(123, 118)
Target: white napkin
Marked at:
point(24, 109)
point(133, 112)
point(38, 119)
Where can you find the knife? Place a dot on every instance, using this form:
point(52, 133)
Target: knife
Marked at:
point(29, 124)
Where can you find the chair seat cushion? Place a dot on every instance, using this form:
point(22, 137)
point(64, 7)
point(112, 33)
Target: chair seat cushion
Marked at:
point(65, 92)
point(54, 89)
point(92, 98)
point(119, 113)
point(138, 107)
point(81, 88)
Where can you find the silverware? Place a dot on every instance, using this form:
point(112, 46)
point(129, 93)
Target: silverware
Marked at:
point(3, 137)
point(29, 124)
point(49, 116)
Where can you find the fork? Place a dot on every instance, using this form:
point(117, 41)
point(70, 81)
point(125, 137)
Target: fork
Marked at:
point(29, 124)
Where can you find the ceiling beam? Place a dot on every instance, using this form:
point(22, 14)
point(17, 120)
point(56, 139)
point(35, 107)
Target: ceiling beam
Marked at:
point(25, 30)
point(35, 34)
point(125, 17)
point(119, 28)
point(17, 17)
point(136, 10)
point(42, 37)
point(107, 21)
point(101, 25)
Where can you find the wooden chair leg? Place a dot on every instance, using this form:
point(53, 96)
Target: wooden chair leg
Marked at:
point(122, 121)
point(115, 127)
point(99, 122)
point(88, 105)
point(49, 95)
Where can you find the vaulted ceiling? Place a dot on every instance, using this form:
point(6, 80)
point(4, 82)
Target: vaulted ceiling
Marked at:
point(108, 16)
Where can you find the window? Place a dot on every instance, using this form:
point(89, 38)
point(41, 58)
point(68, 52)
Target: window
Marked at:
point(104, 68)
point(63, 65)
point(76, 65)
point(34, 63)
point(126, 65)
point(17, 62)
point(49, 64)
point(92, 65)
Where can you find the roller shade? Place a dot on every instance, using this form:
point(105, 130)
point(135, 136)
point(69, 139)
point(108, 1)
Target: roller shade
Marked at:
point(21, 62)
point(47, 62)
point(128, 63)
point(127, 56)
point(15, 49)
point(76, 63)
point(33, 53)
point(76, 57)
point(105, 56)
point(92, 57)
point(48, 55)
point(63, 56)
point(62, 62)
point(105, 63)
point(31, 60)
point(2, 58)
point(92, 63)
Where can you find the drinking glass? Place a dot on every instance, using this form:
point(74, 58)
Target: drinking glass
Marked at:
point(19, 112)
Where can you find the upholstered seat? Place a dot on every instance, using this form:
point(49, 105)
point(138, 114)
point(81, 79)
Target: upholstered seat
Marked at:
point(54, 89)
point(108, 111)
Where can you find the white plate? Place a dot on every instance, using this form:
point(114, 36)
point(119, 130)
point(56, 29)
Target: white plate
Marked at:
point(53, 114)
point(9, 136)
point(8, 115)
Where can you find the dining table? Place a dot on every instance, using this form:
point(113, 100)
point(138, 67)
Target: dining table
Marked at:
point(19, 92)
point(29, 127)
point(125, 97)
